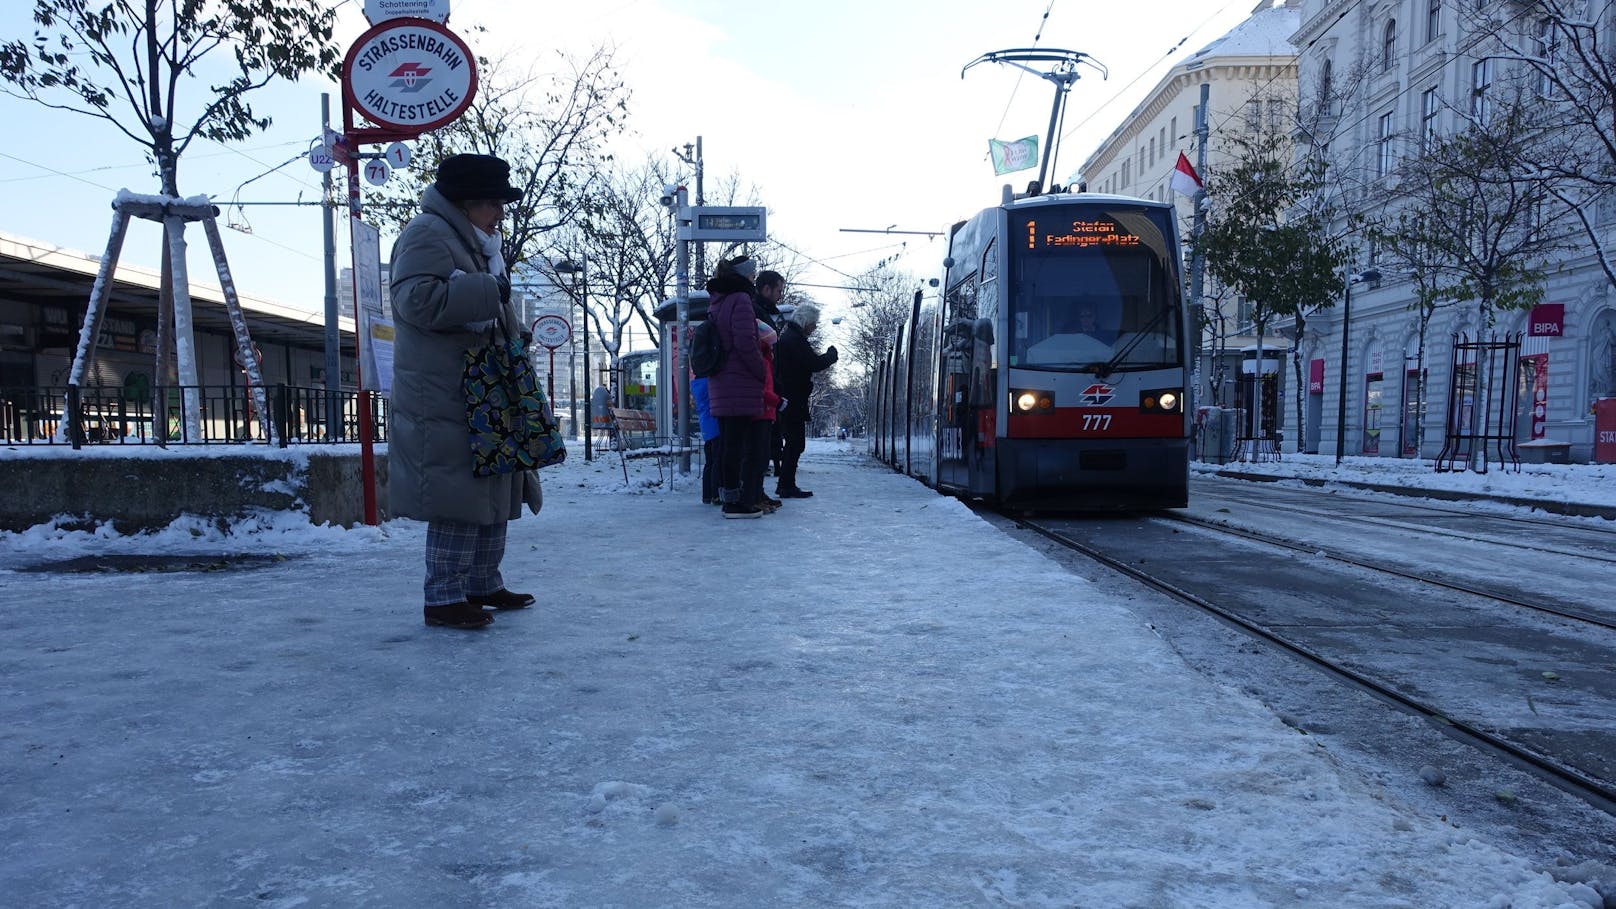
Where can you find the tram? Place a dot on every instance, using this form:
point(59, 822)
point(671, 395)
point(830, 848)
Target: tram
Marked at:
point(1051, 372)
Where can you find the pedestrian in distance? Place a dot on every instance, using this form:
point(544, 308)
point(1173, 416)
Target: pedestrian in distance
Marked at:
point(735, 392)
point(710, 444)
point(449, 288)
point(795, 363)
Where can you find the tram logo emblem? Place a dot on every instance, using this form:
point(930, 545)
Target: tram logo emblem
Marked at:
point(411, 77)
point(1098, 394)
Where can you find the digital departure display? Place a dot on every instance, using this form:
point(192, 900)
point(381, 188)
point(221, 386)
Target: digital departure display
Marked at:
point(1084, 234)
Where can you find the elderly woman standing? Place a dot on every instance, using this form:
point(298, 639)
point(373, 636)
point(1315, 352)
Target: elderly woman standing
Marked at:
point(449, 287)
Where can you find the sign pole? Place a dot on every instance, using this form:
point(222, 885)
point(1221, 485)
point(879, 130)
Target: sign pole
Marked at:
point(407, 75)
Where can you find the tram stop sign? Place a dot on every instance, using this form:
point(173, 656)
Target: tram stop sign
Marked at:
point(551, 331)
point(409, 76)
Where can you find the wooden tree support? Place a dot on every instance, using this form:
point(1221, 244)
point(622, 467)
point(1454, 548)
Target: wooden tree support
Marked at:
point(173, 214)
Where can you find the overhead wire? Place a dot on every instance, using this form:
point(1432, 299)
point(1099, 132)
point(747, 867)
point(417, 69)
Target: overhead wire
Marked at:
point(1020, 74)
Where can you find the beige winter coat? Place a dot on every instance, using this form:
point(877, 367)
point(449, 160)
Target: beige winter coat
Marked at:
point(429, 447)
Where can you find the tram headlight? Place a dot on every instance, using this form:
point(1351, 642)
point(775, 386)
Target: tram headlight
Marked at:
point(1031, 400)
point(1162, 400)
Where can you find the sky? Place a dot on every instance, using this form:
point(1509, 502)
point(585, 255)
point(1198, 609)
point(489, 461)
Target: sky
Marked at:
point(842, 114)
point(779, 712)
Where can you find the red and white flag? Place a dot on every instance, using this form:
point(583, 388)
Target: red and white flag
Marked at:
point(1185, 180)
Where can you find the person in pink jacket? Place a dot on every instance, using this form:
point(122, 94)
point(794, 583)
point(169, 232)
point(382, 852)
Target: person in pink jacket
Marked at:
point(763, 427)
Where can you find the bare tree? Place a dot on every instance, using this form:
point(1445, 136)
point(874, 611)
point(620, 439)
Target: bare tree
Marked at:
point(1562, 48)
point(880, 309)
point(552, 128)
point(1264, 240)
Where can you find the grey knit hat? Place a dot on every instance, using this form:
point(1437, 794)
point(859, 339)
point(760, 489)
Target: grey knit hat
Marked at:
point(745, 266)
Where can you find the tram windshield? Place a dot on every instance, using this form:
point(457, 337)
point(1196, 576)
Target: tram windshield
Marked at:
point(1094, 289)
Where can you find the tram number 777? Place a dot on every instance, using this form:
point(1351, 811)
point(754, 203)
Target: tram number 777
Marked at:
point(1096, 422)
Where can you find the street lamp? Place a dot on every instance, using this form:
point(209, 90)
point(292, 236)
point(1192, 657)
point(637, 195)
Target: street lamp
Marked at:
point(1372, 278)
point(581, 269)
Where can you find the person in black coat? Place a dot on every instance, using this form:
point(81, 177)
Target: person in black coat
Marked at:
point(794, 366)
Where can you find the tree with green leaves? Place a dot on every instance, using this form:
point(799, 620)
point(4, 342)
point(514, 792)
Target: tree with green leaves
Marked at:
point(1473, 217)
point(1266, 241)
point(1472, 220)
point(167, 72)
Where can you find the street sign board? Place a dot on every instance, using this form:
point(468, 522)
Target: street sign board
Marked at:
point(410, 75)
point(735, 223)
point(379, 11)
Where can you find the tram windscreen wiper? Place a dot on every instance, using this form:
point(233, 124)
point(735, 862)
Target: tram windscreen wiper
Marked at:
point(1105, 369)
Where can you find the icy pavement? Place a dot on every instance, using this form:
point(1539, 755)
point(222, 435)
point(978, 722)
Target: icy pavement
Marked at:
point(872, 698)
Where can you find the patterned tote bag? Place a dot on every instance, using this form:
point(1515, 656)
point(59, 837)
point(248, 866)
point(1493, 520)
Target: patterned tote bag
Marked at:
point(512, 426)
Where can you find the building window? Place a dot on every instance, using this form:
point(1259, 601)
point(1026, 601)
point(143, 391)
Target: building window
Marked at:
point(1253, 115)
point(1125, 178)
point(1153, 151)
point(1383, 146)
point(1430, 104)
point(1433, 19)
point(1388, 47)
point(1326, 88)
point(1173, 129)
point(1548, 50)
point(1481, 82)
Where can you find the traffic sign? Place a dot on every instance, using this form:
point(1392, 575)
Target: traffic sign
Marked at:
point(320, 157)
point(398, 154)
point(409, 75)
point(377, 171)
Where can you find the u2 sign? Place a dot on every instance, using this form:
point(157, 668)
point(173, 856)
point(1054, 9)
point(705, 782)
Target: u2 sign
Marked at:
point(409, 75)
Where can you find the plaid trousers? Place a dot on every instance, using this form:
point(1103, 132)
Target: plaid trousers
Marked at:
point(462, 559)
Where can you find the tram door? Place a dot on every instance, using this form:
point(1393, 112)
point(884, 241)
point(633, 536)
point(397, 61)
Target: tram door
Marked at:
point(956, 415)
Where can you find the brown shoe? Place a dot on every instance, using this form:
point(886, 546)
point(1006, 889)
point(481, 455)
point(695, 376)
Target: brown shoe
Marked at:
point(501, 599)
point(457, 615)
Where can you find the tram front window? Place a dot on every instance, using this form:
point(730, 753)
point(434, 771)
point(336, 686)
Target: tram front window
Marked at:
point(1094, 307)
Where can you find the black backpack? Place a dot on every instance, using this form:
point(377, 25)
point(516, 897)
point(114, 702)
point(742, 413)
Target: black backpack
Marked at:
point(706, 351)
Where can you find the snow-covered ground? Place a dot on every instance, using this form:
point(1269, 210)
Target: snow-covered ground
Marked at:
point(872, 698)
point(1588, 484)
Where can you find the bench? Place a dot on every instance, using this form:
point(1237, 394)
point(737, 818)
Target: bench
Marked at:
point(634, 435)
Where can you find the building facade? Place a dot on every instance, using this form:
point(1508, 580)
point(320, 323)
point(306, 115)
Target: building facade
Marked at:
point(1384, 76)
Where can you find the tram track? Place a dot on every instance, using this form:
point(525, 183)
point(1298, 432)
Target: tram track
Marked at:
point(1260, 537)
point(1405, 696)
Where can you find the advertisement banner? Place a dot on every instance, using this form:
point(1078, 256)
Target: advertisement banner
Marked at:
point(1535, 367)
point(372, 322)
point(1605, 430)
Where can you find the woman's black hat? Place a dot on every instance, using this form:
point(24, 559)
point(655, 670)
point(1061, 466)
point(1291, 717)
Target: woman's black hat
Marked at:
point(462, 178)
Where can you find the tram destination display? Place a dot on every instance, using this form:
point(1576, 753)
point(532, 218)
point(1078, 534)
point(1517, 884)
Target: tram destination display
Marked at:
point(1052, 234)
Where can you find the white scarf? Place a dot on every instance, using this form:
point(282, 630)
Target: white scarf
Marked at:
point(492, 248)
point(496, 266)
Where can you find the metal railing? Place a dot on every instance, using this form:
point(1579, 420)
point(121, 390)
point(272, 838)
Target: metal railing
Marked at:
point(227, 416)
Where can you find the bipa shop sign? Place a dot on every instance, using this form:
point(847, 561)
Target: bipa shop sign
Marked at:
point(412, 75)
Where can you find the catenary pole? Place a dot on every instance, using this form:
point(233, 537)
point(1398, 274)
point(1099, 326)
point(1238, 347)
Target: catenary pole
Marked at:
point(681, 297)
point(1197, 256)
point(333, 331)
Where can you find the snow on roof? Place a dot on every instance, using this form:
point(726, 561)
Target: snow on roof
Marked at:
point(1265, 33)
